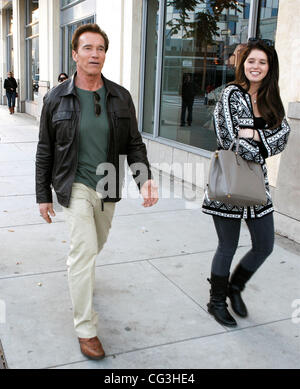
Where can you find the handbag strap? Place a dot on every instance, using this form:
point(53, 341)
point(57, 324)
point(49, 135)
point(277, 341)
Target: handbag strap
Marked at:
point(236, 141)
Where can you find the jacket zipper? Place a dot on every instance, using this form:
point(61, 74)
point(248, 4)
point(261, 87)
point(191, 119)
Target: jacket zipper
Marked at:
point(111, 128)
point(78, 117)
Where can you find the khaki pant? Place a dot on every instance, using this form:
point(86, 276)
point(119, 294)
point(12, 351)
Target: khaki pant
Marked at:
point(89, 227)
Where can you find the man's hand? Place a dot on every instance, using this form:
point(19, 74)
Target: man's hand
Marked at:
point(150, 193)
point(45, 209)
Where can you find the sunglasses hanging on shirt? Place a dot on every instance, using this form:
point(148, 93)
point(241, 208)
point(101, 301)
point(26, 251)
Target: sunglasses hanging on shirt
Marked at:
point(97, 99)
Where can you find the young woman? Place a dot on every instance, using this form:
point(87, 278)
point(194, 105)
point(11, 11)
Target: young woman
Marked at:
point(10, 84)
point(250, 108)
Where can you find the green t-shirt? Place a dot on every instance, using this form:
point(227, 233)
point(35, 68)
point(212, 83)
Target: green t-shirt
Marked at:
point(93, 137)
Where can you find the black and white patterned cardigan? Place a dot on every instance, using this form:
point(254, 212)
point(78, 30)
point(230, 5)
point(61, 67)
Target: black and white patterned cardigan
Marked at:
point(234, 111)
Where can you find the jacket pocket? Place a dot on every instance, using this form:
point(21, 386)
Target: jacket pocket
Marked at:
point(123, 114)
point(122, 120)
point(62, 124)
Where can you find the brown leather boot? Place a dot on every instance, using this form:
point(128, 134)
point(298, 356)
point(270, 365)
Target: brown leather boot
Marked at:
point(10, 110)
point(91, 348)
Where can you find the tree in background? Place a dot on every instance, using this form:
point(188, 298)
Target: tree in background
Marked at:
point(204, 27)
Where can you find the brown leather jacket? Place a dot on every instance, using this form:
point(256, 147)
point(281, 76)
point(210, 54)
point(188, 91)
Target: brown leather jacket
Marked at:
point(57, 149)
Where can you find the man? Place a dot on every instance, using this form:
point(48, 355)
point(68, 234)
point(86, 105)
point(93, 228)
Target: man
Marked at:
point(87, 121)
point(188, 95)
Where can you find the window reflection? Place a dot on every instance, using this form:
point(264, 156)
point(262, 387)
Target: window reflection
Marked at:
point(32, 49)
point(35, 67)
point(9, 40)
point(68, 31)
point(201, 48)
point(150, 65)
point(267, 20)
point(67, 2)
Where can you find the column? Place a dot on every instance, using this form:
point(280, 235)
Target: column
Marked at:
point(19, 50)
point(49, 46)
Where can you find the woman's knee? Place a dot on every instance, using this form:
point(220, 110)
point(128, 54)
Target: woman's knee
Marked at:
point(227, 249)
point(264, 250)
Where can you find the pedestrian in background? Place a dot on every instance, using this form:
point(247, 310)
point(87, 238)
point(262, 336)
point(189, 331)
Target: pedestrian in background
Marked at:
point(10, 84)
point(62, 77)
point(188, 93)
point(251, 108)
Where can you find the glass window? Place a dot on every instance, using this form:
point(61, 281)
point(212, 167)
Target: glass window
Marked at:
point(150, 65)
point(201, 46)
point(32, 11)
point(9, 40)
point(69, 66)
point(267, 20)
point(64, 3)
point(32, 49)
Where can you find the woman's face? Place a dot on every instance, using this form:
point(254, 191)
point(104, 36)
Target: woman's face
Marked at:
point(8, 74)
point(256, 66)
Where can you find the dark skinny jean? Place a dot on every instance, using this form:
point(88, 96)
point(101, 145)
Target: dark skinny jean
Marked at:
point(11, 99)
point(228, 230)
point(187, 105)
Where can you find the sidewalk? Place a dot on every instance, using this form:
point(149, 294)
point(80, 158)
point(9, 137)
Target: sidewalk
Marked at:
point(151, 289)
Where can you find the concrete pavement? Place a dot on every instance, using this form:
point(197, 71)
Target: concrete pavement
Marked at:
point(151, 289)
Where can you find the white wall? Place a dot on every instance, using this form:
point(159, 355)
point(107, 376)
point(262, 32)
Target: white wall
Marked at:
point(49, 46)
point(19, 50)
point(110, 19)
point(49, 41)
point(288, 49)
point(121, 20)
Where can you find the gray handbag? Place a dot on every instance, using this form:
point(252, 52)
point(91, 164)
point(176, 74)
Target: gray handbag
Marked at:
point(234, 180)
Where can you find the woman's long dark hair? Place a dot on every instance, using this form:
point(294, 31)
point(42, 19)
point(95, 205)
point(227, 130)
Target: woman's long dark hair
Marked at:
point(268, 96)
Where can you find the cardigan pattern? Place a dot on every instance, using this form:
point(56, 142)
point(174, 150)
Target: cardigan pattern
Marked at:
point(232, 112)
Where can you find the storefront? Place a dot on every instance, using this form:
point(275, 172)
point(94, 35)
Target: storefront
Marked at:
point(174, 56)
point(191, 48)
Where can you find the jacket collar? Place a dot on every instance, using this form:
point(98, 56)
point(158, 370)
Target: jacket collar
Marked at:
point(68, 86)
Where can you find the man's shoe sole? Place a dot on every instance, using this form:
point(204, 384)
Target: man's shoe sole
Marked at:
point(93, 358)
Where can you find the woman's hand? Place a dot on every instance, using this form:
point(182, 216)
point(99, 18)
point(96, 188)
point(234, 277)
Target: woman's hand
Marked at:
point(249, 133)
point(246, 133)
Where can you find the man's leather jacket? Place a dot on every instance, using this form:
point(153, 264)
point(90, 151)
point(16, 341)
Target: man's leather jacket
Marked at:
point(57, 150)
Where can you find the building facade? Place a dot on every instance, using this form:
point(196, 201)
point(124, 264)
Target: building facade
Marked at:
point(174, 56)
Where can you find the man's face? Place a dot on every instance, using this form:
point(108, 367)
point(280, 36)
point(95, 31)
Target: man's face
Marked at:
point(90, 55)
